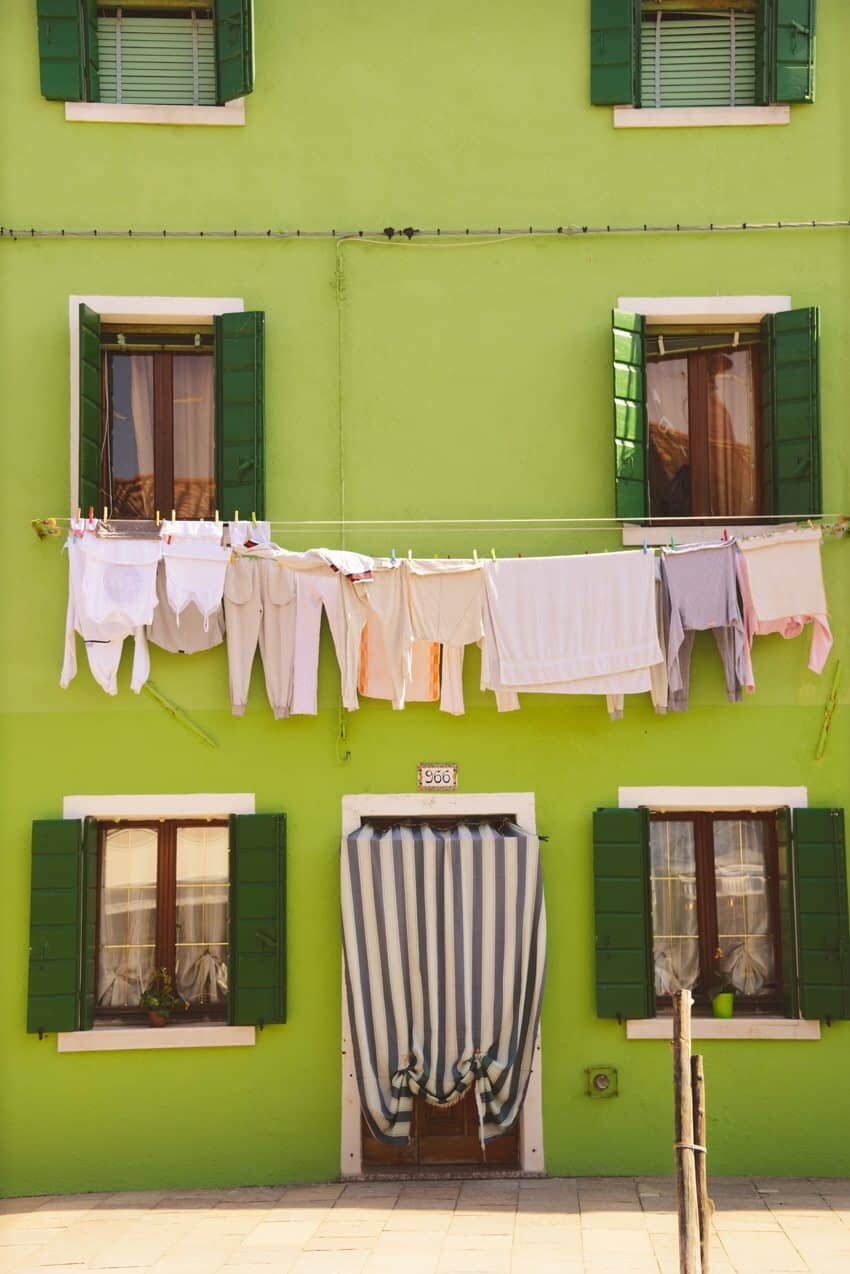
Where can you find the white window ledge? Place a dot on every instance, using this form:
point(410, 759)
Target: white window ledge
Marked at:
point(131, 113)
point(699, 116)
point(733, 1028)
point(693, 533)
point(111, 1039)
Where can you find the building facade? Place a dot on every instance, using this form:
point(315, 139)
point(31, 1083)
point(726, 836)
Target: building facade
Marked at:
point(445, 395)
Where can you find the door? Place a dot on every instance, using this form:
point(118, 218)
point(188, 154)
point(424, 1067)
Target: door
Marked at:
point(443, 1137)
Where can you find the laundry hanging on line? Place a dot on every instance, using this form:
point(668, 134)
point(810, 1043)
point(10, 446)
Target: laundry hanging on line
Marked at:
point(605, 624)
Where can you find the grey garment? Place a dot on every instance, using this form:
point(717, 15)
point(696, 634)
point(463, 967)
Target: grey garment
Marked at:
point(188, 636)
point(702, 594)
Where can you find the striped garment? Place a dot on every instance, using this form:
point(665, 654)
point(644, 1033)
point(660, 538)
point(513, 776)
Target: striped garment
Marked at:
point(444, 934)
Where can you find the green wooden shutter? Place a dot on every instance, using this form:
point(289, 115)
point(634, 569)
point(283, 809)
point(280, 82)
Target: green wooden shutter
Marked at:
point(615, 52)
point(793, 50)
point(763, 54)
point(791, 460)
point(55, 926)
point(88, 945)
point(257, 974)
point(234, 48)
point(630, 426)
point(90, 484)
point(625, 971)
point(67, 50)
point(787, 918)
point(240, 413)
point(820, 863)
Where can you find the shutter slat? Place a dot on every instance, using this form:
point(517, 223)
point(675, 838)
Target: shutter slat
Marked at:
point(157, 61)
point(630, 426)
point(257, 972)
point(822, 920)
point(691, 56)
point(625, 968)
point(240, 413)
point(53, 1001)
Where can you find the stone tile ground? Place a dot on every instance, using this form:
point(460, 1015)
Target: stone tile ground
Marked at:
point(556, 1226)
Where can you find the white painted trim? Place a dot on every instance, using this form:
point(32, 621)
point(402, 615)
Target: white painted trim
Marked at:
point(183, 805)
point(734, 1028)
point(232, 113)
point(357, 809)
point(712, 798)
point(704, 309)
point(162, 309)
point(699, 116)
point(692, 533)
point(114, 1039)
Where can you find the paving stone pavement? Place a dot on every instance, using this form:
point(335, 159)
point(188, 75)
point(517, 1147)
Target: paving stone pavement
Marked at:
point(553, 1226)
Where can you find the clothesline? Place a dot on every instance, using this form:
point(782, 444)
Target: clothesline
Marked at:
point(400, 624)
point(605, 523)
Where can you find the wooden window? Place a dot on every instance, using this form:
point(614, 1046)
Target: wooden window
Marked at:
point(715, 906)
point(158, 422)
point(163, 901)
point(703, 408)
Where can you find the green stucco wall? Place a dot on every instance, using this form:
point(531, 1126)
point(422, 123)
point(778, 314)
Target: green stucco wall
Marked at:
point(466, 380)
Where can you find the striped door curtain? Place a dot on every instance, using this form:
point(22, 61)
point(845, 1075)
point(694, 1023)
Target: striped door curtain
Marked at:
point(444, 934)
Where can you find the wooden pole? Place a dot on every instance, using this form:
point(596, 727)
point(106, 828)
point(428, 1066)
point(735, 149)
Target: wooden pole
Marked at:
point(686, 1177)
point(703, 1202)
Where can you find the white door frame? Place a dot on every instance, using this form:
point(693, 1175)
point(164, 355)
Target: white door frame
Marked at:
point(357, 809)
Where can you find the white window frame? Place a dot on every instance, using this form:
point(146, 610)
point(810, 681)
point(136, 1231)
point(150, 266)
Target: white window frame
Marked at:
point(714, 799)
point(357, 809)
point(691, 310)
point(138, 309)
point(110, 1039)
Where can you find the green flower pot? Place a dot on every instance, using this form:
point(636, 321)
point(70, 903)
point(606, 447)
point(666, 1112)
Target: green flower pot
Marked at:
point(723, 1004)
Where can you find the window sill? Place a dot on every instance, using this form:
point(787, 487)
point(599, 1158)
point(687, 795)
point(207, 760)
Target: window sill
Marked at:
point(694, 533)
point(735, 1028)
point(699, 116)
point(111, 1039)
point(233, 113)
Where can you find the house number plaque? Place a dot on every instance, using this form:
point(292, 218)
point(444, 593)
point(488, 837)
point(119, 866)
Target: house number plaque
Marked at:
point(436, 778)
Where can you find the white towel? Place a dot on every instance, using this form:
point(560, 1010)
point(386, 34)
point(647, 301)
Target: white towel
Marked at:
point(583, 619)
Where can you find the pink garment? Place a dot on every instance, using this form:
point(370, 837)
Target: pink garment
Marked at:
point(781, 581)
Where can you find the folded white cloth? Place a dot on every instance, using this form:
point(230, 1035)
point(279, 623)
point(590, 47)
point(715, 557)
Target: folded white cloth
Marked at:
point(256, 532)
point(354, 566)
point(194, 572)
point(583, 624)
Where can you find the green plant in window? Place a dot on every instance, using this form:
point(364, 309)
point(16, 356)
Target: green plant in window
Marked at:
point(160, 997)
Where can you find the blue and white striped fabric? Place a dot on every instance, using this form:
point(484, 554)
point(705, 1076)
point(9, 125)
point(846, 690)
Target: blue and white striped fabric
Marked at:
point(444, 933)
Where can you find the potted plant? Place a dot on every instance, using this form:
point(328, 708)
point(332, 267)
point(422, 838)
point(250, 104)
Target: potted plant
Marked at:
point(723, 990)
point(160, 998)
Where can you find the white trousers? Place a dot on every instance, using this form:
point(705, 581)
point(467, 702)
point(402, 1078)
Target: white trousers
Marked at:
point(104, 642)
point(259, 608)
point(315, 591)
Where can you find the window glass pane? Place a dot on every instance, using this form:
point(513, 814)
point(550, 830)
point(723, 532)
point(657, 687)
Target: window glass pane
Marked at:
point(194, 474)
point(674, 905)
point(202, 893)
point(733, 488)
point(669, 442)
point(131, 493)
point(127, 936)
point(744, 937)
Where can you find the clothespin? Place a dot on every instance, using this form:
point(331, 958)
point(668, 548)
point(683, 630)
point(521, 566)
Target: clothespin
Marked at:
point(493, 554)
point(253, 519)
point(735, 340)
point(79, 511)
point(157, 517)
point(645, 548)
point(392, 556)
point(811, 524)
point(410, 555)
point(672, 542)
point(725, 536)
point(661, 349)
point(436, 557)
point(217, 519)
point(105, 514)
point(236, 515)
point(475, 556)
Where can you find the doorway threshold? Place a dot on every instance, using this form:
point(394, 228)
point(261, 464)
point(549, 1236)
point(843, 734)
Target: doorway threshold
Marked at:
point(446, 1174)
